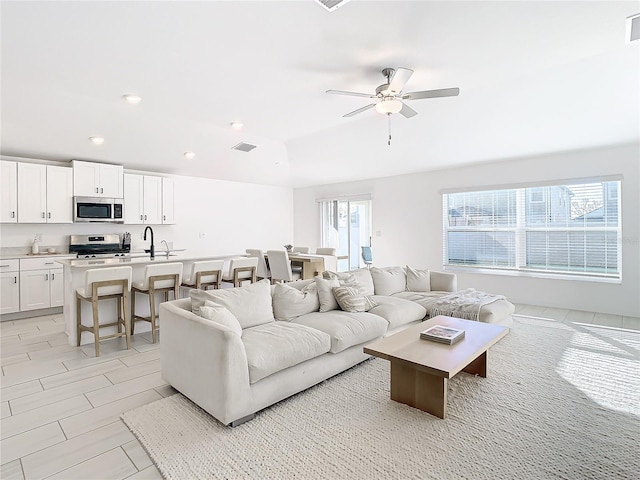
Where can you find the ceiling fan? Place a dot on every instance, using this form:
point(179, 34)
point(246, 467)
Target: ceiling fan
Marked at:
point(390, 95)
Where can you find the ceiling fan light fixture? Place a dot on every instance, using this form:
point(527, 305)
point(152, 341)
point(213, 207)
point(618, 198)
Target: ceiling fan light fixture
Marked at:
point(96, 140)
point(132, 98)
point(389, 105)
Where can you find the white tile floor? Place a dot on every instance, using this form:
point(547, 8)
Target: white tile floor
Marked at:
point(60, 405)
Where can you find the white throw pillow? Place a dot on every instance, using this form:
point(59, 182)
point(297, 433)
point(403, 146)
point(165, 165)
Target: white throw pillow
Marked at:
point(388, 280)
point(290, 303)
point(351, 299)
point(325, 293)
point(363, 277)
point(418, 280)
point(219, 314)
point(251, 304)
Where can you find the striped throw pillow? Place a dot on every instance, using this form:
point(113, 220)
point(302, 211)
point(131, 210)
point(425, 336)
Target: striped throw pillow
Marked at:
point(351, 299)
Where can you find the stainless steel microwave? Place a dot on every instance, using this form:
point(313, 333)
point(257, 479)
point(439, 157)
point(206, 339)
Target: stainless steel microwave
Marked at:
point(98, 209)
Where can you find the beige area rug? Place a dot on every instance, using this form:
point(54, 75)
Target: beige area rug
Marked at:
point(561, 401)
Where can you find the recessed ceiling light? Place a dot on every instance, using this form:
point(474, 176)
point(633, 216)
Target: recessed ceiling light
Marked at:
point(97, 140)
point(132, 98)
point(189, 155)
point(237, 125)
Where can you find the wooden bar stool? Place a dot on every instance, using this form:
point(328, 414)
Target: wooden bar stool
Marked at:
point(241, 270)
point(205, 274)
point(103, 284)
point(160, 278)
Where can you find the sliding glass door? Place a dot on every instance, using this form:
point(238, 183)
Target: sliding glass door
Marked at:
point(346, 226)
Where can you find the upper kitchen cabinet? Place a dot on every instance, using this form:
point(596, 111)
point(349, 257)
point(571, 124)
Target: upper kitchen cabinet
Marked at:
point(8, 192)
point(45, 194)
point(142, 199)
point(97, 179)
point(168, 216)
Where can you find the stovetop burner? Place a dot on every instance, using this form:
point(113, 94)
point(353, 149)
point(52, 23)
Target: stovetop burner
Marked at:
point(98, 246)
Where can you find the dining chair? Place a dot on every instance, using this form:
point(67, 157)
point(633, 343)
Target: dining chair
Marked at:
point(281, 266)
point(325, 251)
point(262, 270)
point(242, 269)
point(300, 250)
point(367, 257)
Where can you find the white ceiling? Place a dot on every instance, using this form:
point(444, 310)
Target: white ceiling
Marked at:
point(535, 77)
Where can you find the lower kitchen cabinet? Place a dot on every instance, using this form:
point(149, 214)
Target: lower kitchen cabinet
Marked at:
point(9, 286)
point(41, 286)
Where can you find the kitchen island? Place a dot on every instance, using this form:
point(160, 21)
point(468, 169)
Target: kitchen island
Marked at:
point(74, 273)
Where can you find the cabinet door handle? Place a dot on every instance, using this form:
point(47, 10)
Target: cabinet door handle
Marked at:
point(101, 190)
point(13, 214)
point(53, 276)
point(49, 263)
point(145, 217)
point(141, 217)
point(4, 266)
point(97, 190)
point(164, 217)
point(15, 279)
point(42, 214)
point(46, 276)
point(49, 215)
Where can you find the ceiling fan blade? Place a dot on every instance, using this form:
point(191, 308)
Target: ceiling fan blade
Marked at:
point(400, 77)
point(355, 112)
point(407, 111)
point(355, 94)
point(443, 92)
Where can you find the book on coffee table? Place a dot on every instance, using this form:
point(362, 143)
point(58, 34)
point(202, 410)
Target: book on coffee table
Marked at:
point(442, 334)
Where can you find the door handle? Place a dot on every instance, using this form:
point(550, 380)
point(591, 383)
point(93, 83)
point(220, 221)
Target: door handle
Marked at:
point(101, 190)
point(53, 276)
point(97, 190)
point(145, 217)
point(164, 217)
point(49, 215)
point(15, 279)
point(46, 276)
point(42, 214)
point(13, 214)
point(141, 217)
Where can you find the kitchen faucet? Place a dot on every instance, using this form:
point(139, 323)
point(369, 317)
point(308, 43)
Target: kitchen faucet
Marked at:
point(166, 245)
point(152, 248)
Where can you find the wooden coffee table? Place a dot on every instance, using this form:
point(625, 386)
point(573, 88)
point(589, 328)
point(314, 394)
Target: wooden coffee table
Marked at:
point(420, 368)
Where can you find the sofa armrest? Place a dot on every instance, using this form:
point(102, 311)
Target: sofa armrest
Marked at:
point(443, 282)
point(205, 361)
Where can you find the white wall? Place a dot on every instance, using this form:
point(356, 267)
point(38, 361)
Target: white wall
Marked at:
point(407, 212)
point(233, 216)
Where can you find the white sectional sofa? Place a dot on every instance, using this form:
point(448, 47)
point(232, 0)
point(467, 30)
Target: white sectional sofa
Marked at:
point(236, 351)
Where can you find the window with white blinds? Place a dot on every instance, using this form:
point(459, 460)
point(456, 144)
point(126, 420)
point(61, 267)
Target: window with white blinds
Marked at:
point(557, 229)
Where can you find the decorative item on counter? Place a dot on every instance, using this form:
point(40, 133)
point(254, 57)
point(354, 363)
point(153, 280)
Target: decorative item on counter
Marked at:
point(289, 248)
point(51, 250)
point(35, 247)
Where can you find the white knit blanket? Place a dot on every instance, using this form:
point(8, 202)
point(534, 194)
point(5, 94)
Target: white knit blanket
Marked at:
point(463, 304)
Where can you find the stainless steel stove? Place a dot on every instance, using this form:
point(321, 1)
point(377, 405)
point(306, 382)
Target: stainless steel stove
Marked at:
point(100, 245)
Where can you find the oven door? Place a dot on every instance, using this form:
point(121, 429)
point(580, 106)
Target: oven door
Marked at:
point(90, 209)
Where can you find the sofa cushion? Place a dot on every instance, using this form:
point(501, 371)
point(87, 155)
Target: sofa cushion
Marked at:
point(274, 346)
point(289, 302)
point(219, 314)
point(418, 280)
point(250, 304)
point(426, 299)
point(325, 293)
point(388, 280)
point(351, 299)
point(364, 279)
point(361, 278)
point(345, 329)
point(397, 311)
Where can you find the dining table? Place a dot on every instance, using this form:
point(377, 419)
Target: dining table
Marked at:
point(312, 265)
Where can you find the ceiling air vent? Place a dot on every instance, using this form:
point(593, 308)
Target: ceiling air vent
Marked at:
point(244, 147)
point(331, 5)
point(633, 28)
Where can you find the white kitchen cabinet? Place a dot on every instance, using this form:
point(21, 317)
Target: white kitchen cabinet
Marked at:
point(9, 286)
point(97, 179)
point(41, 284)
point(32, 193)
point(142, 199)
point(45, 193)
point(168, 209)
point(59, 194)
point(8, 192)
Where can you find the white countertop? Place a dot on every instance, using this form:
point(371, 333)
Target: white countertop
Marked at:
point(37, 255)
point(140, 260)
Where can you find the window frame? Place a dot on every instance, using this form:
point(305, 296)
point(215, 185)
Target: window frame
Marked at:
point(520, 230)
